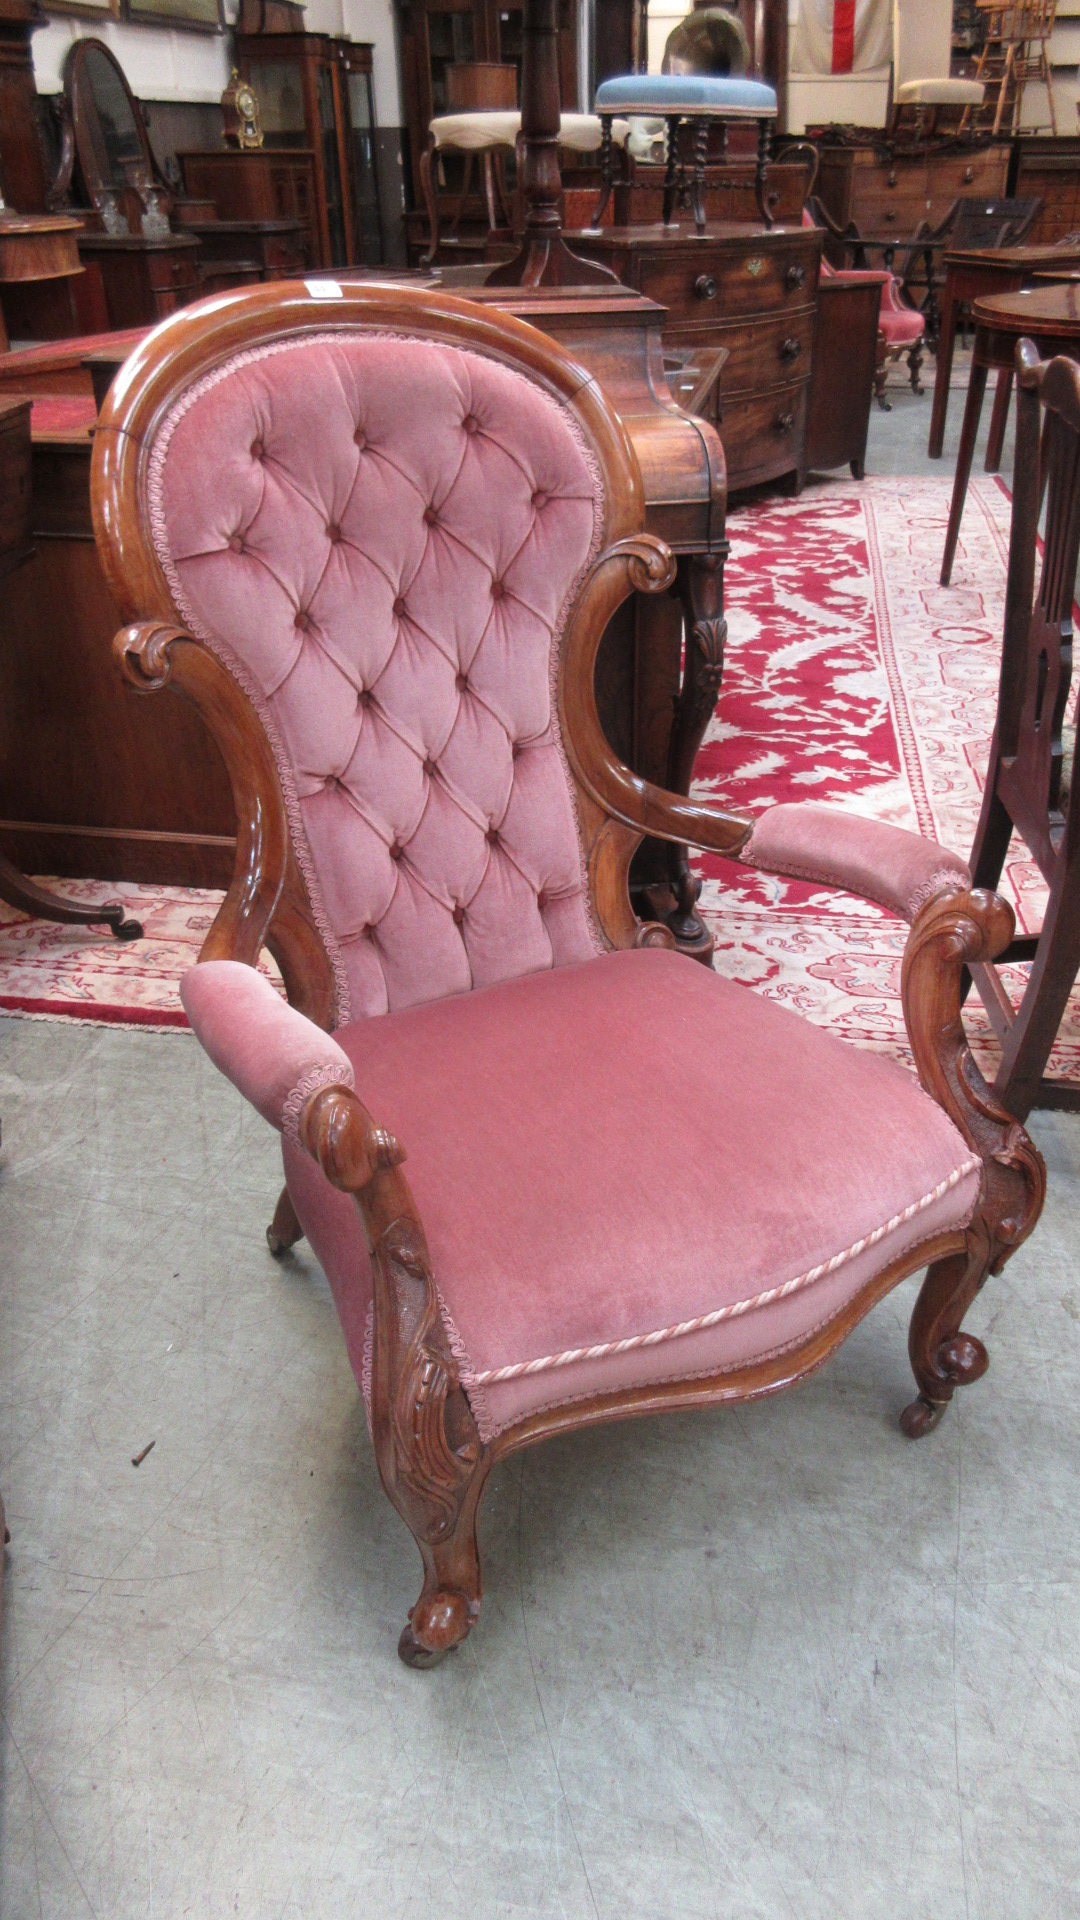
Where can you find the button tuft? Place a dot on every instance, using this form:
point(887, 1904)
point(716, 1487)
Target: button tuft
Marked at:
point(492, 836)
point(539, 500)
point(399, 608)
point(430, 769)
point(431, 518)
point(363, 698)
point(302, 621)
point(236, 542)
point(470, 423)
point(461, 681)
point(257, 450)
point(497, 589)
point(396, 850)
point(333, 533)
point(459, 915)
point(360, 438)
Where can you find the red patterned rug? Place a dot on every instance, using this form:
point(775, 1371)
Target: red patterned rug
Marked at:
point(851, 677)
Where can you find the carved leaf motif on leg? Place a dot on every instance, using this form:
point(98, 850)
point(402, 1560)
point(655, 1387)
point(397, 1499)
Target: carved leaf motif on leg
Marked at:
point(954, 930)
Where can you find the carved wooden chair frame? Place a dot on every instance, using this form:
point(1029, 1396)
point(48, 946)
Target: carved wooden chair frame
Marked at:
point(431, 1459)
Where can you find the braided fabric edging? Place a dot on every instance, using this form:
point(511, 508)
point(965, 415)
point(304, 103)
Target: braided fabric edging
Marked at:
point(309, 1083)
point(491, 1376)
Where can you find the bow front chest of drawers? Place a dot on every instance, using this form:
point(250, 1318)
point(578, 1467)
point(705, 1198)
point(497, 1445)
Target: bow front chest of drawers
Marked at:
point(751, 290)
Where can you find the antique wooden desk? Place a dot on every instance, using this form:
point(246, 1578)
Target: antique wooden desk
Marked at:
point(750, 290)
point(1048, 315)
point(975, 275)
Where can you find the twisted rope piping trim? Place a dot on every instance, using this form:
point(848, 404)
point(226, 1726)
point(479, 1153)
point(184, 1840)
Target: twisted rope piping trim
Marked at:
point(698, 1325)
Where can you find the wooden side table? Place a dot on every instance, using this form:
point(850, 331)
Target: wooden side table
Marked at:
point(1050, 316)
point(977, 273)
point(39, 262)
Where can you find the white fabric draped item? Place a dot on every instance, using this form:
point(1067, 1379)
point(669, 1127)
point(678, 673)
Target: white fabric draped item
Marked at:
point(842, 36)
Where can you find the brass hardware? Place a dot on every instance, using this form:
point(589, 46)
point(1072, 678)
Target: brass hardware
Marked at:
point(705, 286)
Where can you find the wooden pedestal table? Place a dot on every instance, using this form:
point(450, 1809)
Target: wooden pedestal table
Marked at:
point(977, 274)
point(39, 263)
point(1050, 316)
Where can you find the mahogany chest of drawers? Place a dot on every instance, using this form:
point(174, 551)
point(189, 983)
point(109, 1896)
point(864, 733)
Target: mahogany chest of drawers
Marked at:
point(751, 290)
point(882, 189)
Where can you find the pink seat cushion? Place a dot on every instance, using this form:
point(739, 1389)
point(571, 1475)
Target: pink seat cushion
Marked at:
point(637, 1159)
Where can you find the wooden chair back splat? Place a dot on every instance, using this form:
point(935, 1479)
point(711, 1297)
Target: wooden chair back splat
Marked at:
point(1024, 782)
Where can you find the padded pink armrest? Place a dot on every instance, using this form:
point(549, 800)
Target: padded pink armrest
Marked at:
point(276, 1056)
point(900, 870)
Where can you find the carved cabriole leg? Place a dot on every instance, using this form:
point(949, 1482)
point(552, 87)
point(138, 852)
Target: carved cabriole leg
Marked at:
point(956, 930)
point(607, 169)
point(915, 360)
point(701, 589)
point(431, 1459)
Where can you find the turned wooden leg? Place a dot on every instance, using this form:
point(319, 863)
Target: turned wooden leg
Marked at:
point(25, 894)
point(607, 169)
point(915, 360)
point(701, 589)
point(881, 369)
point(671, 171)
point(968, 436)
point(998, 420)
point(701, 149)
point(284, 1230)
point(943, 374)
point(761, 171)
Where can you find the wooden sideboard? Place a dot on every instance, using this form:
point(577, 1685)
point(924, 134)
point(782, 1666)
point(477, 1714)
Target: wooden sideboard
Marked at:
point(883, 188)
point(1048, 169)
point(750, 290)
point(261, 183)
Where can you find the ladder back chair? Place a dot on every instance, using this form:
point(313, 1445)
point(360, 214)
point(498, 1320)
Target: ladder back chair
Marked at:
point(377, 541)
point(1025, 791)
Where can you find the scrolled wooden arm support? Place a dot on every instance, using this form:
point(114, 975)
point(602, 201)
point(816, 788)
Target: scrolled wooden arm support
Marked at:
point(954, 930)
point(431, 1459)
point(641, 564)
point(266, 905)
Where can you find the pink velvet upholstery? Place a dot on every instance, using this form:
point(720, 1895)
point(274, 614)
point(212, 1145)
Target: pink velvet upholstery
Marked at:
point(608, 1152)
point(900, 870)
point(900, 324)
point(382, 537)
point(272, 1053)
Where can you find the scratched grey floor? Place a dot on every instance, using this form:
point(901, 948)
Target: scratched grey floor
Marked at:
point(771, 1662)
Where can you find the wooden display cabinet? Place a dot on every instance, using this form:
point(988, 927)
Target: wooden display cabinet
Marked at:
point(316, 92)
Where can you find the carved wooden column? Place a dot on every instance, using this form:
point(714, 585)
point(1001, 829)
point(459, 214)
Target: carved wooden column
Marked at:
point(544, 259)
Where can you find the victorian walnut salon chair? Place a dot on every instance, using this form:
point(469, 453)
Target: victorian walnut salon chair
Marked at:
point(376, 540)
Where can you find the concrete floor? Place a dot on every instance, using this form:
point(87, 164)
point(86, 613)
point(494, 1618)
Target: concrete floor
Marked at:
point(764, 1664)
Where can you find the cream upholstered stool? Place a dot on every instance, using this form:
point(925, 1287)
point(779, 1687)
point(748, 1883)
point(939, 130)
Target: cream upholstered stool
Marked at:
point(926, 98)
point(492, 133)
point(699, 98)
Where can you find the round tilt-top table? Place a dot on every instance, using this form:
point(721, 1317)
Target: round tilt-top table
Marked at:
point(1050, 316)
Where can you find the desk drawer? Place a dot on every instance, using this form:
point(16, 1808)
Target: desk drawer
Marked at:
point(700, 284)
point(762, 434)
point(764, 352)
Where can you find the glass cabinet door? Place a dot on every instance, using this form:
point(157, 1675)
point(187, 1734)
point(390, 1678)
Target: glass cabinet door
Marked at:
point(281, 102)
point(331, 165)
point(451, 35)
point(363, 170)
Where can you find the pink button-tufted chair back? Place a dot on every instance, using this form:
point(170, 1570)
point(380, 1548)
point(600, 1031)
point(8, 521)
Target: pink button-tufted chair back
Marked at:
point(382, 537)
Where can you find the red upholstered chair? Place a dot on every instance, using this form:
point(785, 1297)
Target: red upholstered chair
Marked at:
point(554, 1171)
point(901, 330)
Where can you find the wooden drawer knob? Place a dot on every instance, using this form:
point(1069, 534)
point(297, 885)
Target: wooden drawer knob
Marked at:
point(706, 287)
point(969, 175)
point(794, 277)
point(790, 349)
point(891, 180)
point(784, 422)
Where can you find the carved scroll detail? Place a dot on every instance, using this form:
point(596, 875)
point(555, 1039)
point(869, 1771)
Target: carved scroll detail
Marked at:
point(142, 653)
point(431, 1458)
point(955, 930)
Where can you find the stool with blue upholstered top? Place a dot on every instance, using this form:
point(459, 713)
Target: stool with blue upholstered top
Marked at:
point(698, 98)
